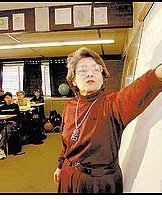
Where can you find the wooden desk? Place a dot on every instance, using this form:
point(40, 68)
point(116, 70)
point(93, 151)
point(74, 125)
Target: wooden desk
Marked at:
point(38, 107)
point(25, 109)
point(36, 104)
point(5, 117)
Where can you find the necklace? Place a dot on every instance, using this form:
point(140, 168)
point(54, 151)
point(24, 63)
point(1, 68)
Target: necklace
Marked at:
point(75, 134)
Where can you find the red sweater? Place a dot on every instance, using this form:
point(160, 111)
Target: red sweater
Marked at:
point(100, 133)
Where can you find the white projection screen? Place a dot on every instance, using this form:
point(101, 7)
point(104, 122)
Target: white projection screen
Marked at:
point(141, 147)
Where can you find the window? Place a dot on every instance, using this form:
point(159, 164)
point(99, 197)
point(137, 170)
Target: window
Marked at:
point(45, 79)
point(12, 77)
point(13, 74)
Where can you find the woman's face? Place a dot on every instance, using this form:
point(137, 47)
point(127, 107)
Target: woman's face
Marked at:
point(88, 76)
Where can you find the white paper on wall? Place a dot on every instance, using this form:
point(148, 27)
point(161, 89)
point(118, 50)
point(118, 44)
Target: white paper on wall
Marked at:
point(18, 21)
point(82, 16)
point(63, 16)
point(129, 80)
point(100, 16)
point(3, 23)
point(42, 19)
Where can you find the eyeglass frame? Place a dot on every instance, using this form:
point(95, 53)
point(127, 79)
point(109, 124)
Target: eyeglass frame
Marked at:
point(84, 72)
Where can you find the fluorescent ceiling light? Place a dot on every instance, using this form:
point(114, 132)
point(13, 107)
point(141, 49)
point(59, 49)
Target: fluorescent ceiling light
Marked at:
point(55, 44)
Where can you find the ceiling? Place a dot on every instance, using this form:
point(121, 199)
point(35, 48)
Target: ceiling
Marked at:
point(119, 35)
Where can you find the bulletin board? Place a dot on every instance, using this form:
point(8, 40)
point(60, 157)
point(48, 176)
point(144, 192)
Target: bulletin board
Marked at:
point(91, 16)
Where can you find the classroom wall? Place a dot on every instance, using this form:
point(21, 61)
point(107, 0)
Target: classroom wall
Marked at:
point(54, 103)
point(132, 42)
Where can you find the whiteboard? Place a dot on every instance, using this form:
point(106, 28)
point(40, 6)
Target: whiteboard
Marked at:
point(141, 147)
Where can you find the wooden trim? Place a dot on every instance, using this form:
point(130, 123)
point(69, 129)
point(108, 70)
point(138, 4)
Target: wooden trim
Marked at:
point(145, 11)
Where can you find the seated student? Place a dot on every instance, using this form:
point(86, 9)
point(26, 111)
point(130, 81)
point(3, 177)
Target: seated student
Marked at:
point(26, 116)
point(9, 108)
point(21, 99)
point(1, 96)
point(38, 98)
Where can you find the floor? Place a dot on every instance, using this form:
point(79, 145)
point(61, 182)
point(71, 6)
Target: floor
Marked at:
point(32, 170)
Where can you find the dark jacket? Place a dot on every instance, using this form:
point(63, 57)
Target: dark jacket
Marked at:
point(2, 99)
point(37, 100)
point(9, 109)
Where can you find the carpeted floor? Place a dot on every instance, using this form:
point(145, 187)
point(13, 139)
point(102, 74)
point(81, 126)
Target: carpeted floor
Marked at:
point(31, 172)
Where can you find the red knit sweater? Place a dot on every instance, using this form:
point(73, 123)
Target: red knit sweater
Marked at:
point(100, 133)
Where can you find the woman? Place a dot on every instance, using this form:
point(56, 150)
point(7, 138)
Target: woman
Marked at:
point(93, 122)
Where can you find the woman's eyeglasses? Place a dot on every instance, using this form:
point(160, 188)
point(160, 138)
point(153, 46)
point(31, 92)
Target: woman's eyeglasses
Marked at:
point(84, 69)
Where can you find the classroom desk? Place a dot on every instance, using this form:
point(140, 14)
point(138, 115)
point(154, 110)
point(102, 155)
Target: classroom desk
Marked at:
point(5, 117)
point(25, 109)
point(36, 104)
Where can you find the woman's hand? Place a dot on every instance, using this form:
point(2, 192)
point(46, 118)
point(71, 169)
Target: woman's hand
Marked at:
point(56, 175)
point(158, 72)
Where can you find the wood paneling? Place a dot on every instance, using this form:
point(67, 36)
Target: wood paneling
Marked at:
point(29, 19)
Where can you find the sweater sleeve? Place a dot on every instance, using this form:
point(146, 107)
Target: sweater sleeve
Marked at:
point(134, 99)
point(61, 157)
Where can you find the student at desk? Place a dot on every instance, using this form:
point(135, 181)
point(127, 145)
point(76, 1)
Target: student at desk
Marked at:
point(9, 108)
point(40, 121)
point(38, 98)
point(1, 96)
point(21, 99)
point(26, 117)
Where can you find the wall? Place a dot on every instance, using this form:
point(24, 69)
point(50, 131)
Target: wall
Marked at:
point(52, 103)
point(140, 153)
point(115, 68)
point(132, 43)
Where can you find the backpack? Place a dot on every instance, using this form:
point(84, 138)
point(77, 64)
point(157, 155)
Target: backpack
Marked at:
point(55, 118)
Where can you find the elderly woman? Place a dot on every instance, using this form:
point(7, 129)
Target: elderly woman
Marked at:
point(93, 123)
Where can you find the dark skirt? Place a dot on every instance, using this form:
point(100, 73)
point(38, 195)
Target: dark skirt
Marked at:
point(74, 181)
